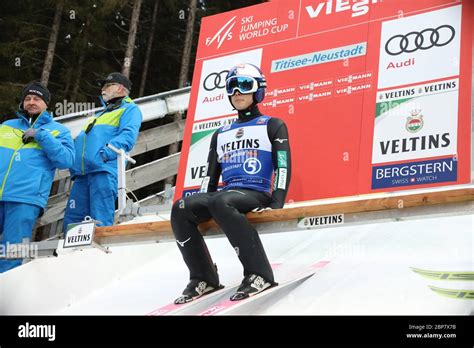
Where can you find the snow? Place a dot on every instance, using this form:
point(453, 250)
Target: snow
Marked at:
point(369, 273)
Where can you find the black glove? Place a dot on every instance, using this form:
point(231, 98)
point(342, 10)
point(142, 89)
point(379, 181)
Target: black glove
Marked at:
point(29, 135)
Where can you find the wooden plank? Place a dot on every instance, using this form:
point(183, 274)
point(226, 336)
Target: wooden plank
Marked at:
point(131, 229)
point(157, 199)
point(152, 172)
point(53, 213)
point(359, 206)
point(153, 200)
point(61, 174)
point(163, 228)
point(56, 199)
point(155, 138)
point(61, 195)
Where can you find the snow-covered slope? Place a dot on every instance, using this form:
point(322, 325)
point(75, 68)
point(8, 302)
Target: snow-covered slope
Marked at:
point(370, 272)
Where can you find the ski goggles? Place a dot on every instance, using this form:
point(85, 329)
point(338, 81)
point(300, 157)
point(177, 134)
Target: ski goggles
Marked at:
point(243, 84)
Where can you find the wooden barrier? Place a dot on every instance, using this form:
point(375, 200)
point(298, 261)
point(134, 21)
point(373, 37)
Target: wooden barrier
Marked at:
point(162, 229)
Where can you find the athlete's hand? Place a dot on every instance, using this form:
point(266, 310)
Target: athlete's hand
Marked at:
point(259, 210)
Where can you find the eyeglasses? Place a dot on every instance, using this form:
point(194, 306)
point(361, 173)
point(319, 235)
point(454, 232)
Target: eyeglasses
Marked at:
point(244, 84)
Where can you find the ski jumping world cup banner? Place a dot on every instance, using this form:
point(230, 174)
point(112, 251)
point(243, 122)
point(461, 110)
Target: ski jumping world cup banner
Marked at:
point(376, 94)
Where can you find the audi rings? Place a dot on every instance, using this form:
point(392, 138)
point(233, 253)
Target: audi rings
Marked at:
point(414, 40)
point(215, 80)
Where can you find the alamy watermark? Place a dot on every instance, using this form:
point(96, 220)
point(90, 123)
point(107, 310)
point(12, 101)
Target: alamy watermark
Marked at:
point(238, 157)
point(355, 250)
point(28, 330)
point(18, 250)
point(65, 107)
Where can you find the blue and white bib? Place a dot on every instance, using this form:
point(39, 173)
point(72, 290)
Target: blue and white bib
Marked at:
point(245, 154)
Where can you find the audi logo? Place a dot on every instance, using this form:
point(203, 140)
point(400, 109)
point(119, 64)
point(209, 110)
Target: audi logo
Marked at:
point(215, 80)
point(422, 40)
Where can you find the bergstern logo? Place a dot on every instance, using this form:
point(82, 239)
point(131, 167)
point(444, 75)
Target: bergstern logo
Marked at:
point(223, 34)
point(358, 7)
point(423, 40)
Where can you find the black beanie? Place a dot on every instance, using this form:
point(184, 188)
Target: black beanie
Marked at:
point(38, 89)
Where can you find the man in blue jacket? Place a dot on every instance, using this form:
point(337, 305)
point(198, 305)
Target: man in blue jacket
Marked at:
point(32, 146)
point(95, 168)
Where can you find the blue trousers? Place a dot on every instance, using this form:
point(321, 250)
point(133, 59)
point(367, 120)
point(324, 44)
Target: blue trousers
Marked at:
point(16, 222)
point(92, 195)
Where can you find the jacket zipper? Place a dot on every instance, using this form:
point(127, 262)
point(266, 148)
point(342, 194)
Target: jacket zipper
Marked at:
point(85, 138)
point(83, 152)
point(8, 172)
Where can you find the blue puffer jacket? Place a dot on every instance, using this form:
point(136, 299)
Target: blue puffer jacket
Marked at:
point(27, 170)
point(118, 124)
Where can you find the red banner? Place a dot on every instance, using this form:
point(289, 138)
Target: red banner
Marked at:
point(376, 95)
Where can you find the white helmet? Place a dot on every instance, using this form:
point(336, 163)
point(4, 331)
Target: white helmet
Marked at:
point(246, 78)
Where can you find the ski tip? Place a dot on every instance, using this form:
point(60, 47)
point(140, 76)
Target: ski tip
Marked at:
point(276, 265)
point(320, 264)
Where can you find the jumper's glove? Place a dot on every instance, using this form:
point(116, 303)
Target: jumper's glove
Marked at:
point(259, 210)
point(29, 135)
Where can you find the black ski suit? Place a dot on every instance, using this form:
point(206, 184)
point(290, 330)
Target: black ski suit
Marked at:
point(228, 208)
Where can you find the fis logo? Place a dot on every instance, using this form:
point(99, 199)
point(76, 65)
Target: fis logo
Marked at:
point(223, 34)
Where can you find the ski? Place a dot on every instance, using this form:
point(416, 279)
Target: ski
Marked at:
point(173, 308)
point(227, 305)
point(200, 303)
point(444, 275)
point(454, 293)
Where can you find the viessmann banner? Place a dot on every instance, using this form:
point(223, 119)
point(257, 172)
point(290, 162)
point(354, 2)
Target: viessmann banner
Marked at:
point(376, 94)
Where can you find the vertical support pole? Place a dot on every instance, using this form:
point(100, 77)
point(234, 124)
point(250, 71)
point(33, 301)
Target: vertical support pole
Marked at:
point(122, 193)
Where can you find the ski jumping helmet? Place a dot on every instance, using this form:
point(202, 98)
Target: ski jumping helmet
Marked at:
point(246, 78)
